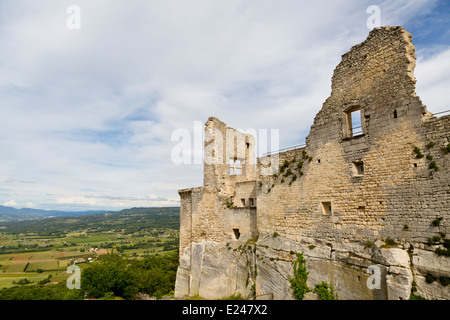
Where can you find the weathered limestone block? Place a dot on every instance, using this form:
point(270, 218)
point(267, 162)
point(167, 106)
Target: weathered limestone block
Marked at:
point(428, 262)
point(431, 291)
point(275, 267)
point(399, 281)
point(210, 270)
point(391, 256)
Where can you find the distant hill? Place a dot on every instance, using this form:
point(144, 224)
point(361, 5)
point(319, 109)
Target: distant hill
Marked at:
point(9, 214)
point(132, 219)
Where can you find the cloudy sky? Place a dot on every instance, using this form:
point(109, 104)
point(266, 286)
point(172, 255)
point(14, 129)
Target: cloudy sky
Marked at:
point(89, 102)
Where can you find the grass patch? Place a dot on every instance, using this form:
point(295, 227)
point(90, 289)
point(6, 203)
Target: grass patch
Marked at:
point(14, 268)
point(389, 243)
point(47, 265)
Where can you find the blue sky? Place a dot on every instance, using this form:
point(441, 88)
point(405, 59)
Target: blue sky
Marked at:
point(88, 114)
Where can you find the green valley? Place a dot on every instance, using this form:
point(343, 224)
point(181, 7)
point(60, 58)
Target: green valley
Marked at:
point(35, 254)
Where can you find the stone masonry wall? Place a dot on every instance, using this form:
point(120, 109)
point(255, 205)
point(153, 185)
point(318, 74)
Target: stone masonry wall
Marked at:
point(396, 188)
point(338, 199)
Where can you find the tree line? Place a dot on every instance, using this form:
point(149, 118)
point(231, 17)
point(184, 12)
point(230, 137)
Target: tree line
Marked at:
point(112, 276)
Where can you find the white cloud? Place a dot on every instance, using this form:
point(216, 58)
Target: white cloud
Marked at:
point(29, 205)
point(433, 81)
point(11, 203)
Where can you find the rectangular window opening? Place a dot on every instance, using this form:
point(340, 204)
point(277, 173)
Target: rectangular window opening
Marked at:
point(236, 234)
point(235, 167)
point(353, 119)
point(358, 168)
point(356, 126)
point(326, 208)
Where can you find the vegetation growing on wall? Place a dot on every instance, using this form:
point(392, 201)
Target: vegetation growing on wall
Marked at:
point(418, 153)
point(298, 281)
point(446, 149)
point(413, 295)
point(292, 168)
point(432, 166)
point(324, 290)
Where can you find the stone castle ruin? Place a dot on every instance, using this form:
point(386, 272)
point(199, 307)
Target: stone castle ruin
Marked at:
point(369, 191)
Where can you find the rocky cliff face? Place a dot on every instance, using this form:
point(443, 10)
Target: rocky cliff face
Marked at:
point(263, 267)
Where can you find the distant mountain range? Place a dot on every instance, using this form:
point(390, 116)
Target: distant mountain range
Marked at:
point(9, 214)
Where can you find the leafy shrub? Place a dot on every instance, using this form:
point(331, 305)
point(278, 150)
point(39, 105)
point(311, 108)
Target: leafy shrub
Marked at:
point(435, 239)
point(284, 166)
point(442, 252)
point(325, 291)
point(429, 278)
point(298, 281)
point(288, 172)
point(431, 144)
point(436, 222)
point(446, 149)
point(416, 297)
point(433, 166)
point(368, 244)
point(22, 282)
point(389, 243)
point(46, 280)
point(445, 281)
point(418, 153)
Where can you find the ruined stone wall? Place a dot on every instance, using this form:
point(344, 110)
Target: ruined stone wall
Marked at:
point(395, 189)
point(240, 223)
point(222, 145)
point(185, 218)
point(244, 191)
point(203, 210)
point(338, 199)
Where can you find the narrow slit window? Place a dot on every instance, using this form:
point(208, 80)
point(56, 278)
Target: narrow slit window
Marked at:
point(236, 233)
point(356, 123)
point(243, 202)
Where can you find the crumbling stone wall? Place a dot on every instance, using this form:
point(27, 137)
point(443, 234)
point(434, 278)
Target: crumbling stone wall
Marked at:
point(396, 189)
point(203, 211)
point(339, 197)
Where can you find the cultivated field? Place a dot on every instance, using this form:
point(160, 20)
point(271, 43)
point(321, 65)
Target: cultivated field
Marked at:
point(33, 250)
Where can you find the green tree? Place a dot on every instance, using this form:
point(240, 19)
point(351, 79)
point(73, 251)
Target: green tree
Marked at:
point(112, 275)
